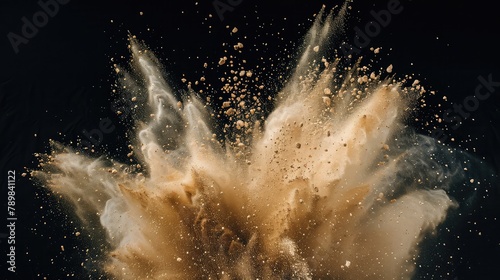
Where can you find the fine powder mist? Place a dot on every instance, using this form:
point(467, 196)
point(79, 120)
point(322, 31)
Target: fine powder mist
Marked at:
point(330, 185)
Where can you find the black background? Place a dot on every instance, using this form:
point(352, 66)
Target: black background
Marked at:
point(59, 84)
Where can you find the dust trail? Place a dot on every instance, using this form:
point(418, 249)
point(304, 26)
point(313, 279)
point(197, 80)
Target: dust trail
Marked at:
point(331, 186)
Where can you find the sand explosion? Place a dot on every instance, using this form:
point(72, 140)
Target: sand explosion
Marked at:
point(332, 185)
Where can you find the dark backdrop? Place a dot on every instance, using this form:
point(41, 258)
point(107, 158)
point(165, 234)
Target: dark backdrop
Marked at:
point(59, 82)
